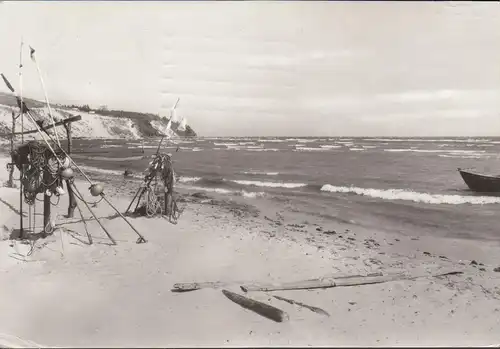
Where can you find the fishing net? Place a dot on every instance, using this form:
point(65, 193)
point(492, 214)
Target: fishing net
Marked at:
point(40, 169)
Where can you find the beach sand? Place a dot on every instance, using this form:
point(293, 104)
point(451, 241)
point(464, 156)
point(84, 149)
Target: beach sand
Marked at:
point(67, 293)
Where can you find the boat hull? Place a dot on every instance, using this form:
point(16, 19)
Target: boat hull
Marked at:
point(481, 183)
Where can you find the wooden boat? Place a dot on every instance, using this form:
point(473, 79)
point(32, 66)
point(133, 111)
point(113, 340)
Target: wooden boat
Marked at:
point(481, 183)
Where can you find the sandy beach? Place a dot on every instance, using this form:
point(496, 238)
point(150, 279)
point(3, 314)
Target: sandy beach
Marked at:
point(67, 293)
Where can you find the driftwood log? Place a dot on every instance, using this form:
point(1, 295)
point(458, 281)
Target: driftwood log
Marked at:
point(356, 280)
point(260, 308)
point(311, 308)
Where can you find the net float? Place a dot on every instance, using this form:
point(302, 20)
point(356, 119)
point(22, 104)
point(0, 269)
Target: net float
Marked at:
point(96, 189)
point(67, 173)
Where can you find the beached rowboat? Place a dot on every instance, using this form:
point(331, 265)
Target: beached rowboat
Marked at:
point(481, 183)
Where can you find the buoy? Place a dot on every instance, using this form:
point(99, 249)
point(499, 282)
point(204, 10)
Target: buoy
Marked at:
point(67, 173)
point(96, 189)
point(66, 163)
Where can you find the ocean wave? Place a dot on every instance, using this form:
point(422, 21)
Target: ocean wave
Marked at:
point(270, 184)
point(356, 149)
point(400, 194)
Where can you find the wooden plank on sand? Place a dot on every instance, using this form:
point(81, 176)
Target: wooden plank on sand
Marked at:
point(260, 308)
point(193, 286)
point(324, 282)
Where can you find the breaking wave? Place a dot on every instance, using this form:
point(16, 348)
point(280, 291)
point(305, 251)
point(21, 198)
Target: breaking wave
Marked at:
point(400, 194)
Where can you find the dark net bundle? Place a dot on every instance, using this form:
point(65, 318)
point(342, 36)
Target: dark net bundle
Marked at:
point(160, 170)
point(41, 169)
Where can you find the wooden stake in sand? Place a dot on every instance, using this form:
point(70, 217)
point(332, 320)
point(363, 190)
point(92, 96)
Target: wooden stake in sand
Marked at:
point(260, 308)
point(85, 224)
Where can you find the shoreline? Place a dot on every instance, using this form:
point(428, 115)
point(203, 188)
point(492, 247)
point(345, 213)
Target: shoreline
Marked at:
point(103, 295)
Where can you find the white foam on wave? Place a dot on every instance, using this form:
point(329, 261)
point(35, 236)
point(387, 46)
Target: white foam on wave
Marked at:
point(329, 146)
point(261, 173)
point(461, 156)
point(262, 149)
point(300, 140)
point(400, 194)
point(100, 170)
point(311, 149)
point(145, 147)
point(356, 149)
point(244, 193)
point(226, 144)
point(456, 151)
point(469, 140)
point(270, 184)
point(183, 179)
point(272, 140)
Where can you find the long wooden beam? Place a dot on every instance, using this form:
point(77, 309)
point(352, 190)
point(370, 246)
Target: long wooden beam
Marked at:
point(59, 123)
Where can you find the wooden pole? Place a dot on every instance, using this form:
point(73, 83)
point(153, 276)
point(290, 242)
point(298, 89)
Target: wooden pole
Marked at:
point(21, 228)
point(46, 204)
point(141, 238)
point(10, 183)
point(84, 223)
point(93, 214)
point(72, 200)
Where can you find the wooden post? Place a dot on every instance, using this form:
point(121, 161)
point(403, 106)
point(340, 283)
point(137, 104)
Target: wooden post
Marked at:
point(10, 183)
point(46, 204)
point(71, 194)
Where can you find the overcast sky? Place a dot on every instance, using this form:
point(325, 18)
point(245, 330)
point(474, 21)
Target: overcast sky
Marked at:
point(269, 68)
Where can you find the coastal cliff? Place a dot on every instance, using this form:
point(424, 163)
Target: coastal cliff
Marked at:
point(95, 123)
